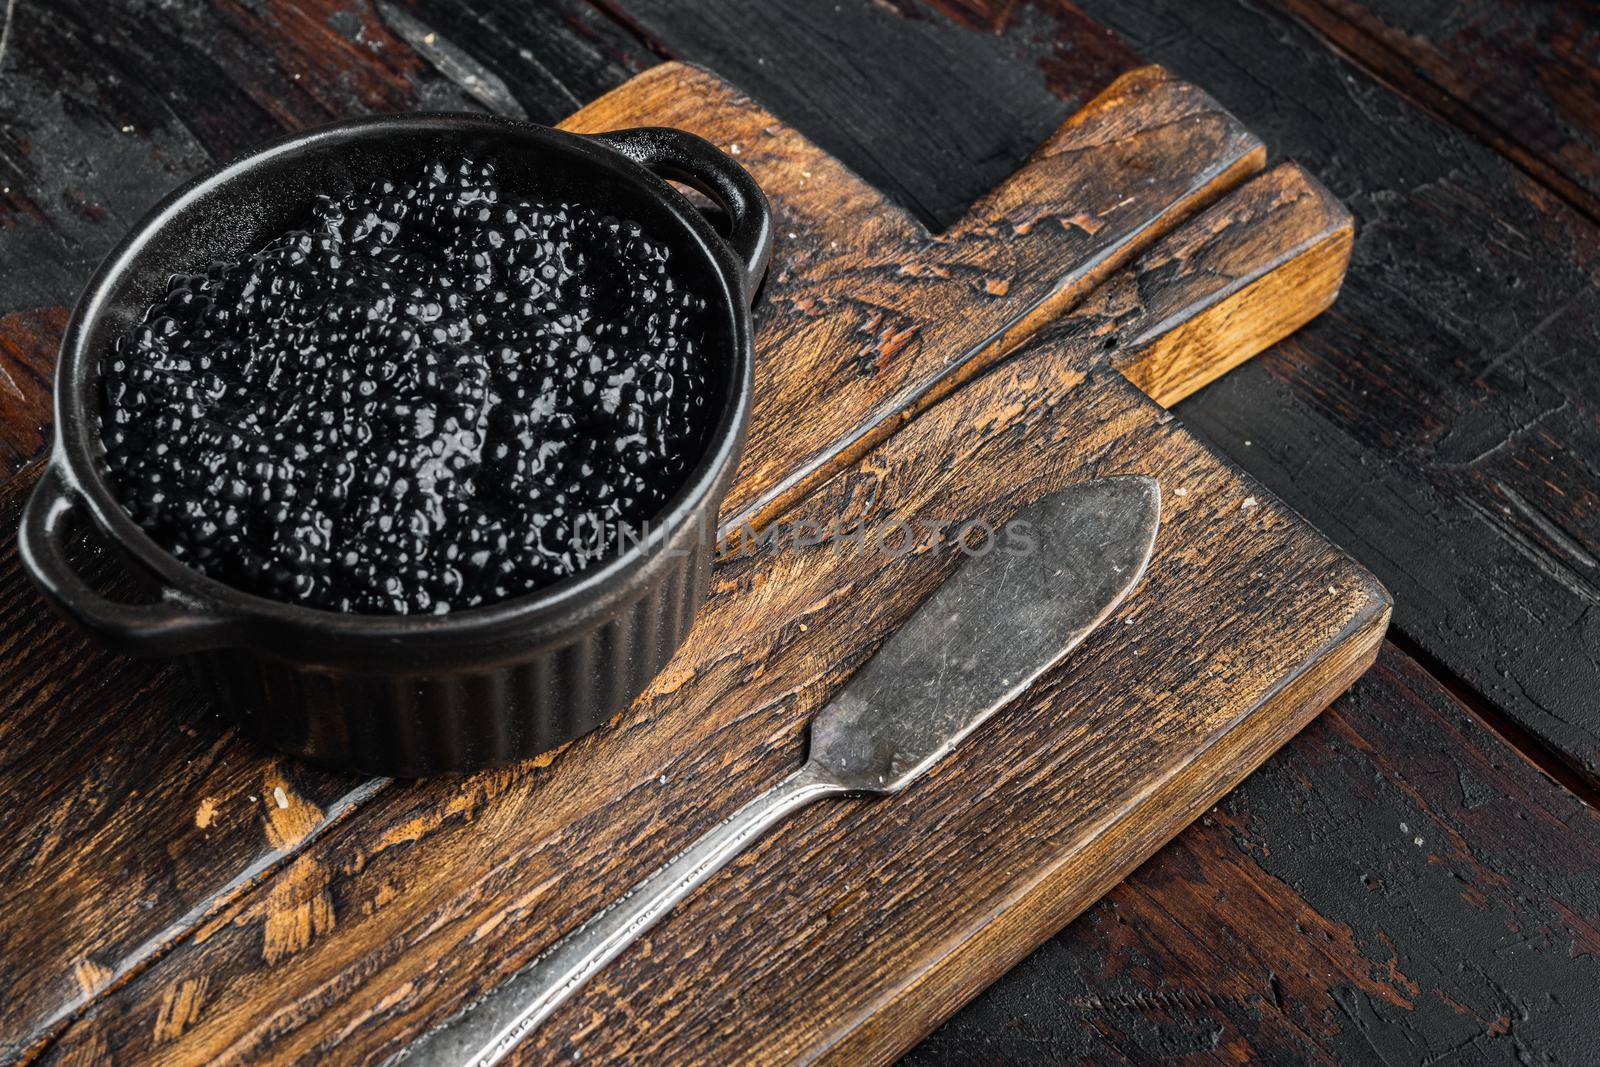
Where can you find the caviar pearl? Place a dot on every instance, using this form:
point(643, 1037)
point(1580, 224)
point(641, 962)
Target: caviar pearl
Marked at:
point(430, 397)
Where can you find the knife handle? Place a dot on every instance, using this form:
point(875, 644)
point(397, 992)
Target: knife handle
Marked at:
point(489, 1029)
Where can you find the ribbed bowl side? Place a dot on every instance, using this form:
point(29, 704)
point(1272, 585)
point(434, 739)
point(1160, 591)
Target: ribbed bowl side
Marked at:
point(410, 726)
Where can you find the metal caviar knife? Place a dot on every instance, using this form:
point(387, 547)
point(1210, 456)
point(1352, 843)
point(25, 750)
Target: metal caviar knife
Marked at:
point(998, 623)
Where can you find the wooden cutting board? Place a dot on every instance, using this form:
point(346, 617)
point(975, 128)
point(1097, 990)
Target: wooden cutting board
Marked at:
point(253, 909)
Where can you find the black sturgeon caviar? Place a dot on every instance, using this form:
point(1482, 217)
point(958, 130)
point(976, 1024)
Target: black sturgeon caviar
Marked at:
point(430, 397)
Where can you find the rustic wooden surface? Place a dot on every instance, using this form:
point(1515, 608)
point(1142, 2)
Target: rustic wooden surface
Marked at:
point(1395, 886)
point(869, 317)
point(934, 103)
point(1240, 275)
point(434, 891)
point(1472, 303)
point(1245, 627)
point(1448, 392)
point(1440, 420)
point(1258, 265)
point(1521, 77)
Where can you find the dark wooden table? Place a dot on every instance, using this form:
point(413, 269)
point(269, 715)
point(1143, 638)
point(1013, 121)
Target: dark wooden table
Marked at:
point(1416, 878)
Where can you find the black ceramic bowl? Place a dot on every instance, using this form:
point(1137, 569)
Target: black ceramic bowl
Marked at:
point(412, 695)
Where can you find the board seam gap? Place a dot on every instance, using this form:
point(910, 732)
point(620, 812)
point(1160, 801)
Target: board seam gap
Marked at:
point(1552, 763)
point(1482, 136)
point(619, 17)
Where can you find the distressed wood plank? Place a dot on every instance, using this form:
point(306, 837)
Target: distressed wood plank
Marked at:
point(149, 908)
point(1445, 401)
point(1520, 76)
point(130, 810)
point(1441, 420)
point(28, 342)
point(1470, 262)
point(1263, 263)
point(1396, 885)
point(1461, 261)
point(906, 96)
point(870, 316)
point(1247, 624)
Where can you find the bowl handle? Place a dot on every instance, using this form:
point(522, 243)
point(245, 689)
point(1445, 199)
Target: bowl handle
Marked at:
point(695, 161)
point(164, 628)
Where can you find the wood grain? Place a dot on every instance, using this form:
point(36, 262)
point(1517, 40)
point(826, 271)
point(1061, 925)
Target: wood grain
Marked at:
point(1394, 886)
point(1519, 76)
point(1460, 261)
point(1261, 264)
point(870, 316)
point(1246, 624)
point(1446, 401)
point(28, 342)
point(130, 810)
point(120, 915)
point(905, 100)
point(1440, 421)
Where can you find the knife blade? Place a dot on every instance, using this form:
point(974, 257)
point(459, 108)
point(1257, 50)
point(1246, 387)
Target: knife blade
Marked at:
point(987, 633)
point(998, 623)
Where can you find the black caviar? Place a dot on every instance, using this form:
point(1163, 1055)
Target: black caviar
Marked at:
point(432, 396)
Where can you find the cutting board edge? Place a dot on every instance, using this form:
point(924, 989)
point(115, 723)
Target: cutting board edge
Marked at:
point(879, 1034)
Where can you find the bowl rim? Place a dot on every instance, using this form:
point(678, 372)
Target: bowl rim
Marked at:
point(569, 603)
